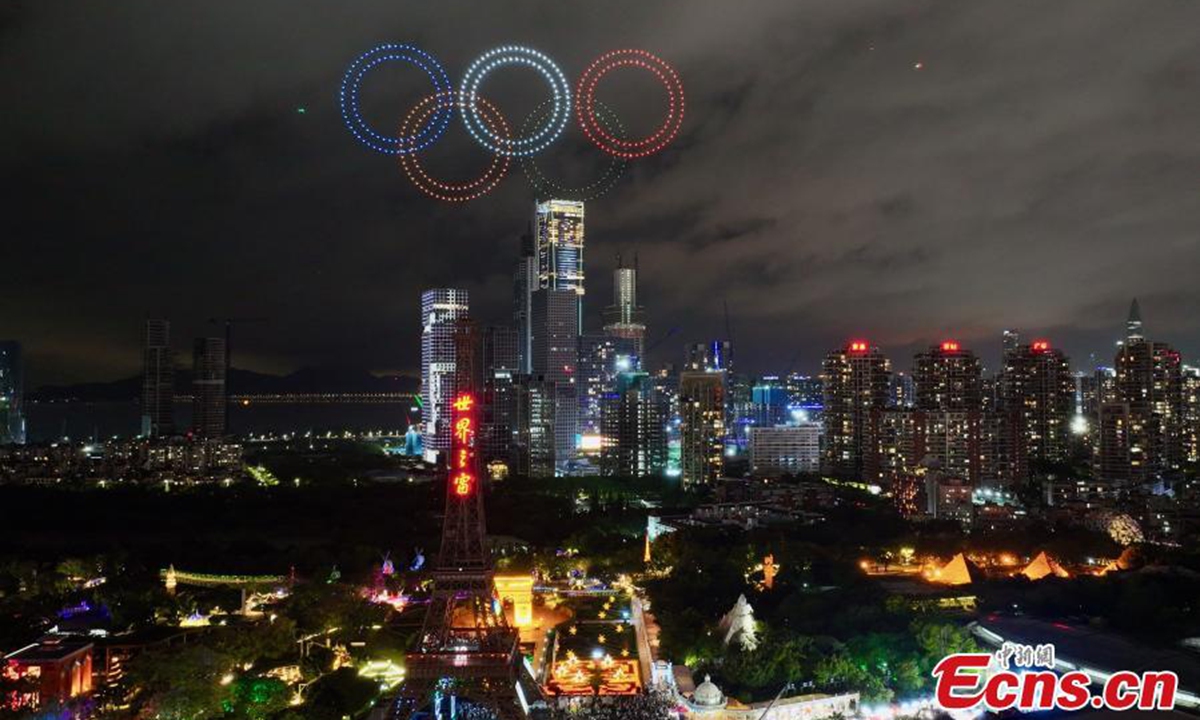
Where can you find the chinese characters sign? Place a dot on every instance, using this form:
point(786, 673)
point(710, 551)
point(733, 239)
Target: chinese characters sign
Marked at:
point(462, 449)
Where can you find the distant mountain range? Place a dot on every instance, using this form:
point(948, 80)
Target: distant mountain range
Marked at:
point(319, 379)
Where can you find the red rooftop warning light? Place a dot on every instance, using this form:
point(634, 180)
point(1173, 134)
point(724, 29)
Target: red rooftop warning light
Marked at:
point(950, 346)
point(858, 346)
point(1040, 346)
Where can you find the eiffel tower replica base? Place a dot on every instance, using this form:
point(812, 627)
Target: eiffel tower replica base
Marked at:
point(466, 648)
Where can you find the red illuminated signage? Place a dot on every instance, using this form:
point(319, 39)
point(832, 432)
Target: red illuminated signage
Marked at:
point(858, 346)
point(1040, 345)
point(462, 452)
point(949, 346)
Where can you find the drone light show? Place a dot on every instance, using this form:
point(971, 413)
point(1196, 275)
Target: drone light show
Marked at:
point(426, 123)
point(352, 112)
point(545, 187)
point(453, 192)
point(560, 96)
point(595, 131)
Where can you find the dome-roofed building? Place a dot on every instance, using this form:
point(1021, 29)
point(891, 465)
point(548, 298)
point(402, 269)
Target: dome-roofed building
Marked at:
point(707, 698)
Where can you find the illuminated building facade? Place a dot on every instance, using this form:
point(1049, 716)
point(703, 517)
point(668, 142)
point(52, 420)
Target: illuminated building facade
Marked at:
point(601, 358)
point(975, 446)
point(1039, 389)
point(525, 281)
point(625, 318)
point(158, 379)
point(1191, 413)
point(1113, 461)
point(555, 359)
point(788, 449)
point(499, 365)
point(12, 390)
point(855, 380)
point(902, 392)
point(633, 429)
point(534, 435)
point(59, 669)
point(702, 426)
point(1096, 389)
point(769, 400)
point(441, 311)
point(208, 388)
point(947, 377)
point(1149, 379)
point(558, 249)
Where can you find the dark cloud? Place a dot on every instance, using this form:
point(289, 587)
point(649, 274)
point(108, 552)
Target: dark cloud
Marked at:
point(903, 170)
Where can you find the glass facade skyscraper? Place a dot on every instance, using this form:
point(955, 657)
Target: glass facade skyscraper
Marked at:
point(441, 310)
point(158, 379)
point(558, 248)
point(208, 388)
point(625, 318)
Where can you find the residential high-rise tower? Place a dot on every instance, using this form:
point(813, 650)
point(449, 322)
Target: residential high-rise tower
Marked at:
point(441, 311)
point(855, 380)
point(208, 388)
point(158, 379)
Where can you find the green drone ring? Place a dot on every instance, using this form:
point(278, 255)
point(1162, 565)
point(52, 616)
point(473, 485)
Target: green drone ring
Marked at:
point(544, 186)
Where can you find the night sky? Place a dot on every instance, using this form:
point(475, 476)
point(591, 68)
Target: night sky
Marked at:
point(901, 170)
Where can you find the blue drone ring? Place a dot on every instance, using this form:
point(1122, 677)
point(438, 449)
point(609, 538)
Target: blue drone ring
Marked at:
point(352, 112)
point(560, 96)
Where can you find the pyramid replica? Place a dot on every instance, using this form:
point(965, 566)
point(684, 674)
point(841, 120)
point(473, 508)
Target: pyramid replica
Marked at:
point(1043, 566)
point(955, 572)
point(738, 625)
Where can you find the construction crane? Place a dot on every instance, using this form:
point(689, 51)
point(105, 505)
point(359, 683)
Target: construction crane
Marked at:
point(229, 322)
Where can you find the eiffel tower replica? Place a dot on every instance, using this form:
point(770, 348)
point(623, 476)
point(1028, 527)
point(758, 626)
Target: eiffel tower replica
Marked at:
point(466, 647)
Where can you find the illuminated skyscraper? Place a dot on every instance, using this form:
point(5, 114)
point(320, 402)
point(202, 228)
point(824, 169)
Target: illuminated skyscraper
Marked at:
point(633, 427)
point(769, 400)
point(498, 366)
point(625, 318)
point(855, 380)
point(1039, 389)
point(702, 426)
point(1133, 324)
point(601, 358)
point(806, 398)
point(1191, 413)
point(553, 317)
point(525, 281)
point(208, 388)
point(558, 236)
point(12, 418)
point(441, 310)
point(534, 444)
point(1149, 380)
point(158, 379)
point(947, 377)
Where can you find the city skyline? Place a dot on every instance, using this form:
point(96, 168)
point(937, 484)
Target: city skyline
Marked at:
point(791, 192)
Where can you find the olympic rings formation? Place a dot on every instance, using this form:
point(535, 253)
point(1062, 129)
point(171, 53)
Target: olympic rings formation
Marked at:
point(560, 95)
point(455, 192)
point(545, 187)
point(352, 113)
point(486, 125)
point(630, 149)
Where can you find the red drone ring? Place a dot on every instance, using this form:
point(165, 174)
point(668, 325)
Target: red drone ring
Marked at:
point(586, 103)
point(454, 192)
